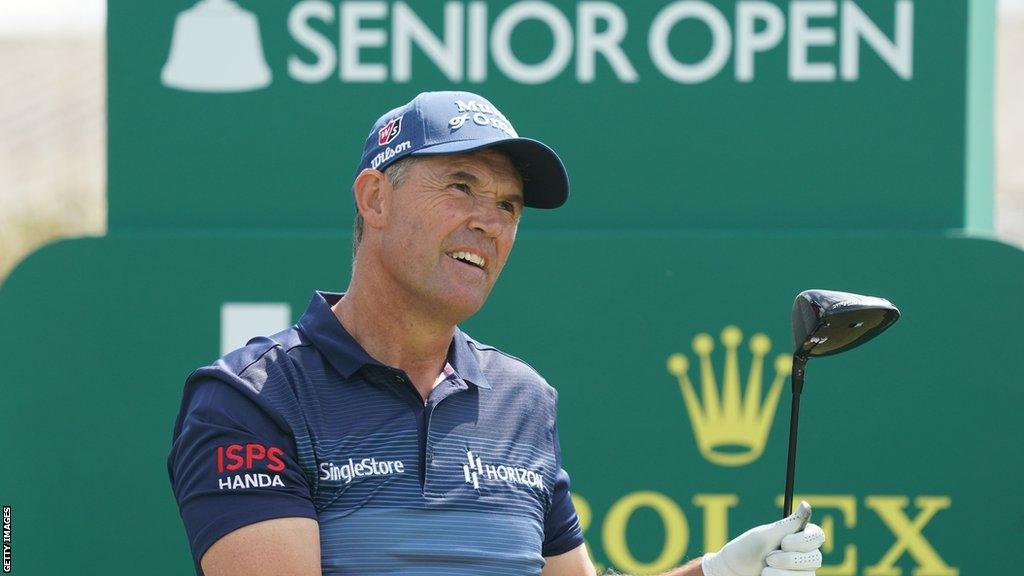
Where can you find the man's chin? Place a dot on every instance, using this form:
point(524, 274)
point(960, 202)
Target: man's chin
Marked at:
point(460, 307)
point(465, 310)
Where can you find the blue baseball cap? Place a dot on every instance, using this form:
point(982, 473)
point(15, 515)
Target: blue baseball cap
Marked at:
point(437, 123)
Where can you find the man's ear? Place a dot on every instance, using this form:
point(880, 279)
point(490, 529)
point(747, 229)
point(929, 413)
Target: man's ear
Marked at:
point(372, 192)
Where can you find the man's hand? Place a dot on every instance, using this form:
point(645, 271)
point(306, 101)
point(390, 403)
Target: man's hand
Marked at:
point(756, 551)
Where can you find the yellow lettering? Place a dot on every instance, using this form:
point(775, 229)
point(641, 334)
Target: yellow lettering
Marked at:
point(613, 532)
point(908, 535)
point(583, 512)
point(716, 518)
point(847, 508)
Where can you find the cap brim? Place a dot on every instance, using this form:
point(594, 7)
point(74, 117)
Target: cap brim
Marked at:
point(545, 181)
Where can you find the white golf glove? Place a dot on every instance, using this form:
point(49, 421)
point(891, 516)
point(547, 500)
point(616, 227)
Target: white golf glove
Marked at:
point(756, 552)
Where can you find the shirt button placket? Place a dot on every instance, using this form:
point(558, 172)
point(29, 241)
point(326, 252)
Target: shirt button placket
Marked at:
point(428, 464)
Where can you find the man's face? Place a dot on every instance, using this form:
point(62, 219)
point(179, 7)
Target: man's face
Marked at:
point(451, 226)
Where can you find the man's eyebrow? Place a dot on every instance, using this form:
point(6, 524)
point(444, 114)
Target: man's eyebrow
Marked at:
point(474, 180)
point(462, 175)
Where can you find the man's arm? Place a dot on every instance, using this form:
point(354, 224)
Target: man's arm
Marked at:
point(788, 547)
point(269, 548)
point(576, 562)
point(224, 438)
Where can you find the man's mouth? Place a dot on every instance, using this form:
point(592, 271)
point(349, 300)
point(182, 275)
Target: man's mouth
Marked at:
point(468, 258)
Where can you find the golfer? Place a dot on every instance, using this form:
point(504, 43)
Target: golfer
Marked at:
point(374, 436)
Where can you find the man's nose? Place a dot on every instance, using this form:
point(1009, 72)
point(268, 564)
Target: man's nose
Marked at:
point(488, 217)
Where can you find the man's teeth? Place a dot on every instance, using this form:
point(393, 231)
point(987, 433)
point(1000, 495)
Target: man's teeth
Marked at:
point(469, 257)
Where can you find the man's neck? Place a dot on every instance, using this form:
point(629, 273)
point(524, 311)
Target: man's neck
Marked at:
point(395, 334)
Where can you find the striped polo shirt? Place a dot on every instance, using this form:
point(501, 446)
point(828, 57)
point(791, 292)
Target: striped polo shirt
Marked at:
point(305, 423)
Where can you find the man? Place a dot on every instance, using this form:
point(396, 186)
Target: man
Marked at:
point(375, 437)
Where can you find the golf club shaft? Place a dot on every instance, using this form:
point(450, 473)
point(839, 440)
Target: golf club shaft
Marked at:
point(799, 364)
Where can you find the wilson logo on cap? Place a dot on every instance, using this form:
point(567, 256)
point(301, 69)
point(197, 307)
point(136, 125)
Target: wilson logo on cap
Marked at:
point(390, 131)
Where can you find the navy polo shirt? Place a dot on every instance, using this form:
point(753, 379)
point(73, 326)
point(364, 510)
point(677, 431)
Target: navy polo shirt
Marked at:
point(305, 423)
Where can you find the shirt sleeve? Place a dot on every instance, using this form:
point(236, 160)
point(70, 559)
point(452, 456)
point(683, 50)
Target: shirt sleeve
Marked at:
point(232, 463)
point(561, 526)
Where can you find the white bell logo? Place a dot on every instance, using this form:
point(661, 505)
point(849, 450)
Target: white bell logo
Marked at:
point(216, 48)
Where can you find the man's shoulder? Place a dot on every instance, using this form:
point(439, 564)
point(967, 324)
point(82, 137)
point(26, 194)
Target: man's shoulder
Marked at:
point(501, 368)
point(252, 386)
point(262, 359)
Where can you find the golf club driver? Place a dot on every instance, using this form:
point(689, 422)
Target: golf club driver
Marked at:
point(827, 322)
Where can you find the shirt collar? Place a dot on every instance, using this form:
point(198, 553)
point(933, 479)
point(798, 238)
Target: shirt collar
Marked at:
point(346, 355)
point(462, 355)
point(322, 327)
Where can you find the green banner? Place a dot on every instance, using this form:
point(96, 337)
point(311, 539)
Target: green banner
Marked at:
point(907, 445)
point(725, 155)
point(693, 114)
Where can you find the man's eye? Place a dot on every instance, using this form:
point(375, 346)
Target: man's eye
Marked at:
point(508, 206)
point(461, 187)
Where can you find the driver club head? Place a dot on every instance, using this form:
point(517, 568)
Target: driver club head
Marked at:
point(827, 322)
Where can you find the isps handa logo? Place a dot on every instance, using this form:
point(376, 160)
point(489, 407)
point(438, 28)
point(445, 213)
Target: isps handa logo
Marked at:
point(731, 424)
point(241, 466)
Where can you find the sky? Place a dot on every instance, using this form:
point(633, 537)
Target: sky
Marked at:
point(1011, 6)
point(51, 17)
point(48, 17)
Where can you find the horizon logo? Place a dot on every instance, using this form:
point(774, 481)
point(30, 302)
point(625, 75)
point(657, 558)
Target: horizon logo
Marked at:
point(476, 469)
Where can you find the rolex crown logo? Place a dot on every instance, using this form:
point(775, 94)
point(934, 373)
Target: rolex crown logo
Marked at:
point(731, 426)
